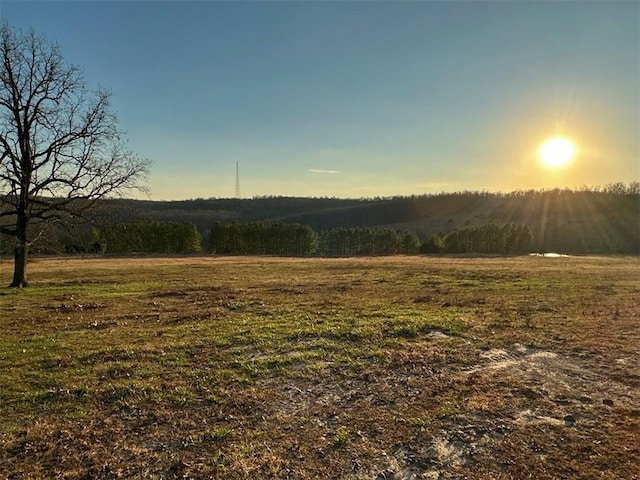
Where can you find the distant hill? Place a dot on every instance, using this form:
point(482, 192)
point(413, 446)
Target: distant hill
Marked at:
point(598, 220)
point(605, 220)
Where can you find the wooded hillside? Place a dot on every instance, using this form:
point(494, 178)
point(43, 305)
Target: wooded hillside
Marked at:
point(597, 220)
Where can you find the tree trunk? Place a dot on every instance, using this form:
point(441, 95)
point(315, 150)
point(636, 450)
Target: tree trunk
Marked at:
point(20, 256)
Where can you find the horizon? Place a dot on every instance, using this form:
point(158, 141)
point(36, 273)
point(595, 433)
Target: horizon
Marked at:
point(633, 185)
point(360, 100)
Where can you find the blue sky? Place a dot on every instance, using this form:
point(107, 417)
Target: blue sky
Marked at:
point(359, 99)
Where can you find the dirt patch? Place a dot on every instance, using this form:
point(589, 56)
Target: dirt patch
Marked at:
point(567, 381)
point(509, 407)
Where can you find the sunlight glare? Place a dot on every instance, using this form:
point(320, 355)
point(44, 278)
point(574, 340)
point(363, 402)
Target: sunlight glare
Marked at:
point(556, 152)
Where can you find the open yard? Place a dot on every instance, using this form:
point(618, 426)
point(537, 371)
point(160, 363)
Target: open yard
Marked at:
point(376, 368)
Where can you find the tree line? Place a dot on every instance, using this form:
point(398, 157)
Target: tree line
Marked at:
point(147, 236)
point(366, 242)
point(295, 239)
point(492, 238)
point(588, 221)
point(260, 238)
point(602, 220)
point(245, 238)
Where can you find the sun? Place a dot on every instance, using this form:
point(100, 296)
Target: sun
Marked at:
point(556, 152)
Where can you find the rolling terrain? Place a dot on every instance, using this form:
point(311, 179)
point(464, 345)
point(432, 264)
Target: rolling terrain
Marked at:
point(567, 221)
point(576, 222)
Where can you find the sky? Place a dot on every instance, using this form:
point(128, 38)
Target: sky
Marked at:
point(357, 99)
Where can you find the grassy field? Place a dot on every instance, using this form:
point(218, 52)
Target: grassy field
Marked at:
point(381, 368)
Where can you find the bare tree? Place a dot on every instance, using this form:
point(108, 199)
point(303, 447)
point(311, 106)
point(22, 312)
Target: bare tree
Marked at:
point(60, 146)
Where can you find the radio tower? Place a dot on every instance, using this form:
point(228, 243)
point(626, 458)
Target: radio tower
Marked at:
point(237, 181)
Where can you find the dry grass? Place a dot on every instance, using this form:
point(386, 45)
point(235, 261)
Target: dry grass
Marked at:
point(438, 368)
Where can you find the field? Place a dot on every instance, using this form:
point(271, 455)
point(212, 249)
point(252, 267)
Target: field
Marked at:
point(376, 368)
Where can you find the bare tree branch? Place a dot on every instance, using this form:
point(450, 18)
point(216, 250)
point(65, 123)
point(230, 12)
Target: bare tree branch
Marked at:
point(60, 145)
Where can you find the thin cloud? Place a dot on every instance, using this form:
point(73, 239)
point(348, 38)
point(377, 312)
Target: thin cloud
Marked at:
point(318, 170)
point(435, 186)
